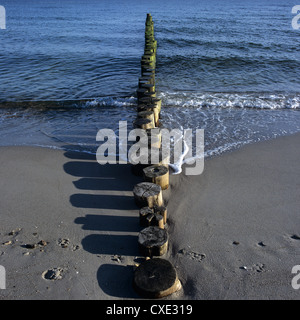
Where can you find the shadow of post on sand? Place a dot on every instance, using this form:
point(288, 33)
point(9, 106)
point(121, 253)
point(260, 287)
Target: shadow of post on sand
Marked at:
point(109, 189)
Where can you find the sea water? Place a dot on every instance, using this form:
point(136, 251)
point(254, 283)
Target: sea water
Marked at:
point(71, 68)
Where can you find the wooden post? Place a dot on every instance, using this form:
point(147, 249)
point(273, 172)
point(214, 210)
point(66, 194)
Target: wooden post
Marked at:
point(153, 108)
point(156, 216)
point(149, 94)
point(140, 92)
point(144, 93)
point(147, 115)
point(150, 57)
point(158, 175)
point(147, 65)
point(161, 210)
point(147, 194)
point(149, 86)
point(157, 102)
point(143, 123)
point(146, 107)
point(149, 51)
point(149, 218)
point(154, 138)
point(158, 159)
point(146, 68)
point(144, 213)
point(156, 278)
point(145, 100)
point(153, 241)
point(147, 79)
point(148, 72)
point(143, 81)
point(150, 100)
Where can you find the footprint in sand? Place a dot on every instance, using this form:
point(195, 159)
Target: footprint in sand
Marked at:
point(117, 258)
point(64, 243)
point(53, 274)
point(41, 244)
point(258, 267)
point(192, 255)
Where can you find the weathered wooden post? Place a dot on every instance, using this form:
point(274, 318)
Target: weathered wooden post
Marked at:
point(153, 241)
point(156, 278)
point(149, 86)
point(147, 115)
point(154, 138)
point(156, 216)
point(158, 175)
point(150, 107)
point(143, 123)
point(147, 194)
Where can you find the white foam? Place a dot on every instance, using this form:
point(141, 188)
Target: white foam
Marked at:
point(110, 101)
point(177, 167)
point(231, 100)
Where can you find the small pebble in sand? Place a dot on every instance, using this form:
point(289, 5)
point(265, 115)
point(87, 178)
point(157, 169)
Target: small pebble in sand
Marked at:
point(261, 244)
point(7, 243)
point(42, 243)
point(295, 237)
point(14, 232)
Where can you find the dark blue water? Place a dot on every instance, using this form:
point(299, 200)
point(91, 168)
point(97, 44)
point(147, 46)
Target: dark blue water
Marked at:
point(70, 68)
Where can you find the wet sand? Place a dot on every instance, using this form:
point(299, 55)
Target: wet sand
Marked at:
point(69, 226)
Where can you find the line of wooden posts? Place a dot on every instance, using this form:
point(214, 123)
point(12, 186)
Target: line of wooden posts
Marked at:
point(155, 277)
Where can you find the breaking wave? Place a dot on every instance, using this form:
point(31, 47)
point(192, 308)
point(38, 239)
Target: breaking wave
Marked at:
point(231, 100)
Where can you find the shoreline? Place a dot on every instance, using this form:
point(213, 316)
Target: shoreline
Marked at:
point(81, 219)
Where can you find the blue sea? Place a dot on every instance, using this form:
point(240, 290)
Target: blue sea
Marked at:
point(70, 68)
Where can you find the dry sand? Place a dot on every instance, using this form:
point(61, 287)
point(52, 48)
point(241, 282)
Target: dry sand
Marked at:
point(69, 226)
point(86, 214)
point(236, 228)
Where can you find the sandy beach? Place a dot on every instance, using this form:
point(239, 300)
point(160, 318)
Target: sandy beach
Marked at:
point(69, 226)
point(235, 229)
